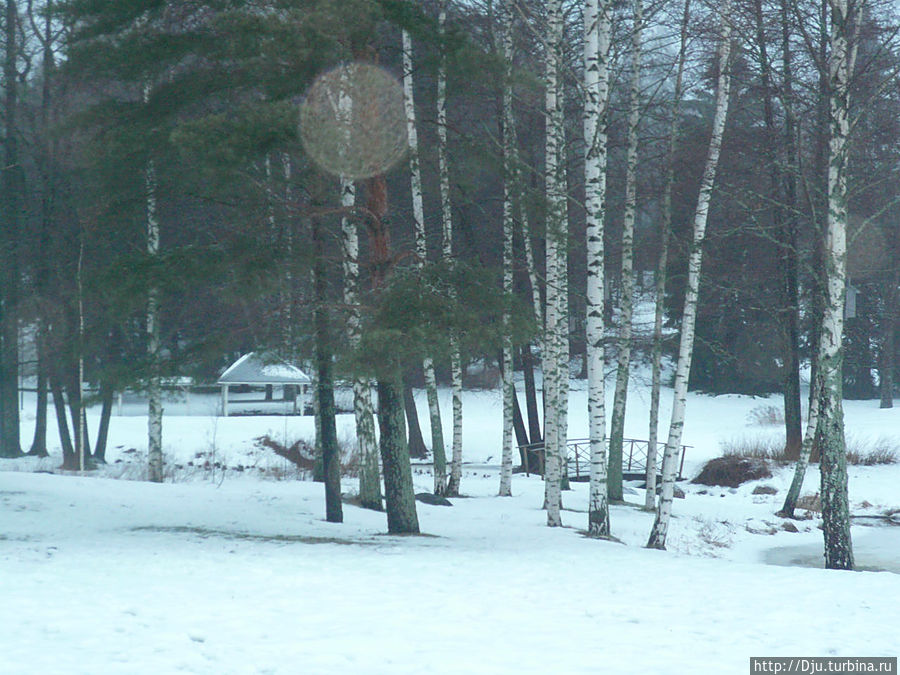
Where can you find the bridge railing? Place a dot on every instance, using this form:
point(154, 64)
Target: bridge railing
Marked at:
point(578, 458)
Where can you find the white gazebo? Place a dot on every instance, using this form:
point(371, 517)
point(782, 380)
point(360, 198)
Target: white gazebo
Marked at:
point(254, 370)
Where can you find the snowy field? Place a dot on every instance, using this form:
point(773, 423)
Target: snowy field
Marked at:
point(233, 570)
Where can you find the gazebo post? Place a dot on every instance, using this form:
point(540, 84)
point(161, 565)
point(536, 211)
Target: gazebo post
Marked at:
point(224, 400)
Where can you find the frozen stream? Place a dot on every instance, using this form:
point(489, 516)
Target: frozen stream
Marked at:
point(875, 548)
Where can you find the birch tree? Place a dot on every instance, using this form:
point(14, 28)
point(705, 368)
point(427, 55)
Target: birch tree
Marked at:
point(845, 16)
point(154, 382)
point(626, 303)
point(597, 28)
point(662, 268)
point(809, 439)
point(447, 254)
point(434, 410)
point(363, 411)
point(556, 231)
point(507, 384)
point(685, 349)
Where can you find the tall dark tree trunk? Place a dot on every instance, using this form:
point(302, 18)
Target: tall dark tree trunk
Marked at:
point(70, 458)
point(783, 195)
point(416, 441)
point(531, 404)
point(41, 268)
point(331, 456)
point(13, 187)
point(519, 423)
point(39, 442)
point(399, 497)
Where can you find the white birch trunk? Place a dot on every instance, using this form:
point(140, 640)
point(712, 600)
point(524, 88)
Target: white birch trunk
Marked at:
point(661, 271)
point(154, 382)
point(507, 383)
point(685, 350)
point(363, 410)
point(833, 464)
point(434, 410)
point(556, 231)
point(79, 425)
point(809, 438)
point(617, 425)
point(287, 289)
point(562, 338)
point(596, 83)
point(447, 253)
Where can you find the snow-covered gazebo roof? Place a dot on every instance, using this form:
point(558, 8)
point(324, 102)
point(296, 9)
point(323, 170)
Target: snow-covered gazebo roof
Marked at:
point(253, 369)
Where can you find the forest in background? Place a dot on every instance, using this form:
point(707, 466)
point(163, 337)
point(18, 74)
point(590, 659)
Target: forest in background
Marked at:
point(161, 213)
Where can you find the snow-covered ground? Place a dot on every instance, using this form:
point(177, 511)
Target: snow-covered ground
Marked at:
point(234, 570)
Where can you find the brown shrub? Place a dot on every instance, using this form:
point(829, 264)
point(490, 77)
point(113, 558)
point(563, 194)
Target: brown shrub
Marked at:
point(758, 448)
point(872, 453)
point(732, 471)
point(765, 490)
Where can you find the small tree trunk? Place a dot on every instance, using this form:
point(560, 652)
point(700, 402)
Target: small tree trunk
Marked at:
point(456, 377)
point(416, 442)
point(400, 500)
point(809, 439)
point(685, 351)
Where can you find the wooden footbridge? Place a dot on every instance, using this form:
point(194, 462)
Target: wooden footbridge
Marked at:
point(578, 458)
